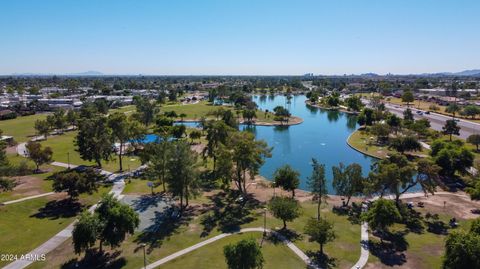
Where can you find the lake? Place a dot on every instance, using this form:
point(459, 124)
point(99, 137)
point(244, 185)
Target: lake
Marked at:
point(322, 135)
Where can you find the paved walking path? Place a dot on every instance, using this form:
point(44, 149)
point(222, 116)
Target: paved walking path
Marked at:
point(62, 236)
point(27, 198)
point(289, 244)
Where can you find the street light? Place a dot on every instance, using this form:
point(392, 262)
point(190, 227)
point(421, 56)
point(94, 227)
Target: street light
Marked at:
point(68, 159)
point(274, 183)
point(264, 221)
point(143, 245)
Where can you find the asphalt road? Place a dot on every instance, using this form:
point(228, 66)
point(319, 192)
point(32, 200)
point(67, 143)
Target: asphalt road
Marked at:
point(437, 121)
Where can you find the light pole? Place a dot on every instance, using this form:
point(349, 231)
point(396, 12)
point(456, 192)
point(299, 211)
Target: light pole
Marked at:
point(143, 245)
point(264, 221)
point(68, 159)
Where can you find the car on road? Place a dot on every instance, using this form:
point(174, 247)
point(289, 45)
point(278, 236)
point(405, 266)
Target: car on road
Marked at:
point(419, 112)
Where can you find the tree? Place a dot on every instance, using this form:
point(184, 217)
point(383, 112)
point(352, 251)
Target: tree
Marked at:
point(72, 118)
point(394, 175)
point(43, 128)
point(6, 184)
point(451, 157)
point(474, 191)
point(146, 110)
point(381, 131)
point(195, 134)
point(94, 139)
point(451, 128)
point(462, 250)
point(182, 176)
point(156, 156)
point(394, 122)
point(320, 231)
point(348, 181)
point(178, 131)
point(354, 103)
point(317, 184)
point(123, 131)
point(405, 143)
point(281, 114)
point(85, 232)
point(284, 208)
point(474, 139)
point(367, 116)
point(453, 109)
point(59, 120)
point(408, 115)
point(249, 115)
point(471, 111)
point(248, 155)
point(287, 178)
point(116, 219)
point(245, 254)
point(217, 133)
point(382, 214)
point(407, 97)
point(75, 182)
point(38, 155)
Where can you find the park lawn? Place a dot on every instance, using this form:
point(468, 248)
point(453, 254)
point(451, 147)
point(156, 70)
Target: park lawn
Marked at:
point(364, 143)
point(21, 128)
point(38, 186)
point(21, 231)
point(124, 109)
point(424, 105)
point(424, 250)
point(63, 147)
point(345, 249)
point(211, 256)
point(139, 186)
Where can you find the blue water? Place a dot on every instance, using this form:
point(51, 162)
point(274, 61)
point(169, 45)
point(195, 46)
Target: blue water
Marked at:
point(322, 135)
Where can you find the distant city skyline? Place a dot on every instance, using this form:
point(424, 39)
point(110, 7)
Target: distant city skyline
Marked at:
point(239, 37)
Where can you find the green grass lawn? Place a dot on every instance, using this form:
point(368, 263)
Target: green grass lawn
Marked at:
point(21, 128)
point(364, 143)
point(345, 249)
point(211, 256)
point(425, 249)
point(63, 147)
point(21, 231)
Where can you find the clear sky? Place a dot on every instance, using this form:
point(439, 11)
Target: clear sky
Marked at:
point(243, 37)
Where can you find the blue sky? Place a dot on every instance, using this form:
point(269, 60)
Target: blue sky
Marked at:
point(248, 37)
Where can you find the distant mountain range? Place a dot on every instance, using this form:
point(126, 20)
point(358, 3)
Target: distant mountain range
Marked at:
point(465, 73)
point(86, 74)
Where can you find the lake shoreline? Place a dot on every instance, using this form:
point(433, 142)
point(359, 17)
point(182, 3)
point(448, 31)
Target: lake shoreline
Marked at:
point(294, 120)
point(308, 103)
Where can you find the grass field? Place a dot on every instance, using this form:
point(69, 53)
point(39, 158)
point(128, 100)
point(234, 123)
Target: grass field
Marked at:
point(64, 149)
point(22, 228)
point(37, 186)
point(345, 249)
point(21, 128)
point(211, 256)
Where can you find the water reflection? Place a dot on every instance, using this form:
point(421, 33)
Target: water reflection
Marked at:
point(333, 115)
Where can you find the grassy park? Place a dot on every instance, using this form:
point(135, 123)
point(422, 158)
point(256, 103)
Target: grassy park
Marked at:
point(21, 128)
point(32, 222)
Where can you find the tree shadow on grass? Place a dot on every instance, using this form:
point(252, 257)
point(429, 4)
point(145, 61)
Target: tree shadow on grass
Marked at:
point(390, 253)
point(96, 260)
point(145, 202)
point(65, 208)
point(280, 235)
point(229, 212)
point(353, 212)
point(165, 224)
point(322, 260)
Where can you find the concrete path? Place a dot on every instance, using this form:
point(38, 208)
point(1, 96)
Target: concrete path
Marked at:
point(289, 244)
point(62, 236)
point(27, 198)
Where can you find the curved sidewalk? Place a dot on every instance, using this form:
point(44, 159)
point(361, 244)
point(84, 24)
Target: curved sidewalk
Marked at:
point(289, 244)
